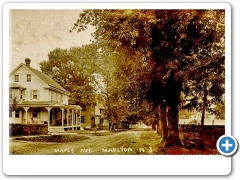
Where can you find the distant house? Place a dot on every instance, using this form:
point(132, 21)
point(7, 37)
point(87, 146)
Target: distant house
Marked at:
point(40, 100)
point(209, 119)
point(93, 115)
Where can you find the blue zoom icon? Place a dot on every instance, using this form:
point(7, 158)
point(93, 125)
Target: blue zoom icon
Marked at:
point(227, 145)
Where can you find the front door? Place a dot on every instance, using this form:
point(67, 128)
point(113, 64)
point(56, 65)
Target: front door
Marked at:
point(51, 116)
point(93, 121)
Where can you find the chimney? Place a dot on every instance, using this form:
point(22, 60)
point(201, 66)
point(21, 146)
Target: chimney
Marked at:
point(27, 61)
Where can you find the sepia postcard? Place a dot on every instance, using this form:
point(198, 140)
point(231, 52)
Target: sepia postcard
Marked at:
point(144, 80)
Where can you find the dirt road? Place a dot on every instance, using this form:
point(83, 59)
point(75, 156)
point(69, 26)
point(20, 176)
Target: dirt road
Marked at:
point(128, 142)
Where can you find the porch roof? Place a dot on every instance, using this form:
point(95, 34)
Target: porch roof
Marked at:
point(40, 103)
point(47, 104)
point(16, 86)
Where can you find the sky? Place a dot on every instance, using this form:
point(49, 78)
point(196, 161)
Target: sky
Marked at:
point(34, 33)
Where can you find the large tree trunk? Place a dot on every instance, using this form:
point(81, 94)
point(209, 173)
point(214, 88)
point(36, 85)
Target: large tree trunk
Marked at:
point(173, 137)
point(163, 122)
point(173, 95)
point(159, 128)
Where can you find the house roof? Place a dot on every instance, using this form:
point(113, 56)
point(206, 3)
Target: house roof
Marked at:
point(16, 86)
point(101, 106)
point(45, 78)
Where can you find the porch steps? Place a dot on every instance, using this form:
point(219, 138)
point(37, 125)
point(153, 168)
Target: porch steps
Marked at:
point(53, 130)
point(60, 129)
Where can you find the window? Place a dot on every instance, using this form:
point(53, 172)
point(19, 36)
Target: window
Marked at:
point(83, 119)
point(23, 94)
point(10, 112)
point(51, 96)
point(16, 78)
point(54, 113)
point(83, 106)
point(101, 111)
point(17, 114)
point(10, 93)
point(55, 96)
point(35, 94)
point(28, 77)
point(35, 113)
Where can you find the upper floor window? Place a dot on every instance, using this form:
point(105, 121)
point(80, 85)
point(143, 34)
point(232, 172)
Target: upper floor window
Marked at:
point(51, 96)
point(35, 94)
point(28, 77)
point(101, 111)
point(16, 78)
point(83, 106)
point(61, 98)
point(23, 94)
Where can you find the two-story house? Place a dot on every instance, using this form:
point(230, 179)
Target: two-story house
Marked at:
point(93, 115)
point(40, 99)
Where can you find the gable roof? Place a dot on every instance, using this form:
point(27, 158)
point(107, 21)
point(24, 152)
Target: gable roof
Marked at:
point(45, 78)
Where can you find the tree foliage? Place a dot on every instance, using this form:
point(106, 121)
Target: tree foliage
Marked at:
point(75, 70)
point(183, 50)
point(220, 111)
point(120, 70)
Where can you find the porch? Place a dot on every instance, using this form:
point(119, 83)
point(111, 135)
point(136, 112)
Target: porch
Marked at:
point(58, 117)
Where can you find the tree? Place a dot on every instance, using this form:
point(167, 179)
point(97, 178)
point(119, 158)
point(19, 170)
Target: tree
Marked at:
point(119, 70)
point(205, 85)
point(13, 104)
point(220, 110)
point(169, 41)
point(76, 71)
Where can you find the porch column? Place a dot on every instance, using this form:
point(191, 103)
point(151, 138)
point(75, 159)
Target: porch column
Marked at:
point(76, 118)
point(49, 114)
point(62, 109)
point(67, 117)
point(26, 110)
point(72, 116)
point(80, 118)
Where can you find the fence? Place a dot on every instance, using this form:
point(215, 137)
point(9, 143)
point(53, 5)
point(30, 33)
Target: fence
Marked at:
point(211, 133)
point(27, 129)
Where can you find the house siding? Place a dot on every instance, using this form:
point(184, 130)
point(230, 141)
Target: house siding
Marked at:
point(13, 119)
point(92, 112)
point(87, 114)
point(35, 84)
